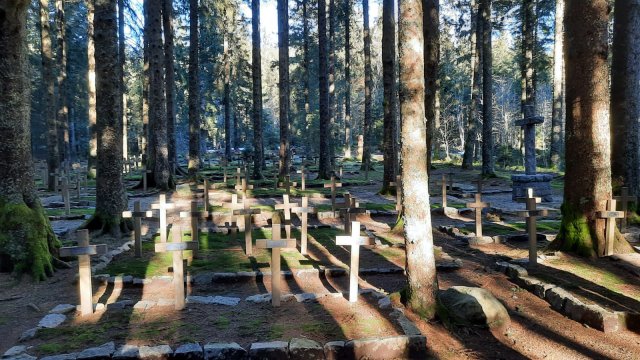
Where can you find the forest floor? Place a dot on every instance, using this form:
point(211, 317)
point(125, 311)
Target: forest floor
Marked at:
point(536, 331)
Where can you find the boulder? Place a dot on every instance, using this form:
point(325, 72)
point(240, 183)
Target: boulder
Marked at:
point(273, 350)
point(191, 351)
point(159, 352)
point(224, 351)
point(305, 349)
point(397, 347)
point(102, 352)
point(127, 352)
point(473, 306)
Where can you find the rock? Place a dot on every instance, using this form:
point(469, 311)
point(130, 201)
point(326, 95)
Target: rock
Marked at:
point(52, 321)
point(258, 299)
point(557, 298)
point(121, 304)
point(484, 240)
point(28, 334)
point(203, 279)
point(62, 309)
point(159, 352)
point(526, 282)
point(191, 351)
point(305, 349)
point(334, 350)
point(475, 306)
point(306, 297)
point(102, 352)
point(397, 347)
point(24, 356)
point(127, 352)
point(144, 305)
point(502, 266)
point(601, 319)
point(273, 350)
point(220, 351)
point(384, 303)
point(213, 300)
point(540, 290)
point(514, 271)
point(224, 277)
point(14, 351)
point(70, 356)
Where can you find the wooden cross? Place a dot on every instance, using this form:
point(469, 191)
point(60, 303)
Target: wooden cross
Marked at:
point(144, 173)
point(234, 205)
point(84, 251)
point(610, 228)
point(176, 247)
point(479, 184)
point(275, 244)
point(478, 205)
point(232, 227)
point(77, 188)
point(195, 214)
point(398, 186)
point(340, 171)
point(302, 173)
point(242, 187)
point(248, 224)
point(303, 212)
point(137, 214)
point(286, 207)
point(162, 208)
point(287, 184)
point(354, 240)
point(625, 199)
point(238, 175)
point(333, 185)
point(224, 173)
point(531, 214)
point(350, 210)
point(65, 196)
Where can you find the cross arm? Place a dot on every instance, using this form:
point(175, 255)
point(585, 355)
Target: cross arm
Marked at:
point(271, 244)
point(532, 213)
point(137, 214)
point(610, 214)
point(176, 246)
point(83, 250)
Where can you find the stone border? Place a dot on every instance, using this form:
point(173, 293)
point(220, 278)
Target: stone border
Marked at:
point(564, 302)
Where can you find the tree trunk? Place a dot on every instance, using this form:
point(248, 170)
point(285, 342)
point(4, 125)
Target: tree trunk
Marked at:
point(111, 197)
point(528, 49)
point(625, 95)
point(389, 82)
point(157, 104)
point(474, 102)
point(332, 82)
point(228, 146)
point(347, 78)
point(194, 91)
point(53, 159)
point(283, 85)
point(324, 169)
point(420, 267)
point(256, 73)
point(167, 26)
point(62, 108)
point(557, 115)
point(122, 88)
point(148, 152)
point(431, 13)
point(27, 240)
point(367, 128)
point(487, 91)
point(588, 156)
point(91, 92)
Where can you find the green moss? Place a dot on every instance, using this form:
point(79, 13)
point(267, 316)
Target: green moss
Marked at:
point(575, 235)
point(27, 239)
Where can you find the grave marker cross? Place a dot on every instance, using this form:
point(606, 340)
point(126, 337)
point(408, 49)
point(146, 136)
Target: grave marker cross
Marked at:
point(302, 173)
point(287, 184)
point(531, 214)
point(65, 196)
point(354, 240)
point(233, 205)
point(248, 224)
point(610, 217)
point(137, 214)
point(303, 212)
point(176, 247)
point(333, 185)
point(625, 199)
point(162, 206)
point(275, 244)
point(528, 125)
point(398, 186)
point(351, 209)
point(83, 251)
point(242, 187)
point(444, 182)
point(286, 207)
point(195, 214)
point(478, 205)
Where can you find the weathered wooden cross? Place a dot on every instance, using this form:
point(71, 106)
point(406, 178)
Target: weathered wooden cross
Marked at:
point(528, 125)
point(162, 206)
point(144, 172)
point(350, 210)
point(137, 214)
point(302, 173)
point(196, 215)
point(354, 240)
point(445, 183)
point(84, 251)
point(65, 196)
point(398, 186)
point(531, 214)
point(610, 217)
point(233, 205)
point(242, 187)
point(286, 207)
point(275, 244)
point(625, 199)
point(239, 174)
point(303, 212)
point(333, 185)
point(176, 247)
point(478, 205)
point(247, 212)
point(287, 184)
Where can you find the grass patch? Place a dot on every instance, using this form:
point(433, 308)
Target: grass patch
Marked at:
point(61, 212)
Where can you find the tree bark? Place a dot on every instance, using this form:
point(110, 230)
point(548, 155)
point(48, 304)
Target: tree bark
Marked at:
point(528, 53)
point(53, 159)
point(167, 26)
point(367, 128)
point(347, 79)
point(194, 91)
point(27, 240)
point(283, 85)
point(474, 100)
point(64, 148)
point(389, 82)
point(487, 91)
point(111, 197)
point(148, 150)
point(324, 169)
point(256, 73)
point(228, 129)
point(557, 115)
point(588, 156)
point(91, 93)
point(431, 13)
point(122, 88)
point(625, 95)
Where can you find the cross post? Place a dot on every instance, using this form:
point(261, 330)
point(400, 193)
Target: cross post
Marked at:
point(478, 205)
point(333, 185)
point(275, 244)
point(233, 205)
point(354, 240)
point(286, 207)
point(137, 214)
point(144, 172)
point(302, 176)
point(162, 206)
point(625, 199)
point(195, 214)
point(248, 224)
point(610, 217)
point(528, 125)
point(531, 214)
point(176, 247)
point(398, 186)
point(65, 196)
point(84, 251)
point(303, 212)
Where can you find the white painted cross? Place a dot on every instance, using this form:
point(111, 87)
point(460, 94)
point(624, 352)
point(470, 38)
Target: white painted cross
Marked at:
point(83, 251)
point(275, 244)
point(247, 212)
point(302, 212)
point(176, 247)
point(610, 217)
point(162, 208)
point(478, 205)
point(333, 185)
point(137, 214)
point(286, 207)
point(531, 214)
point(354, 240)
